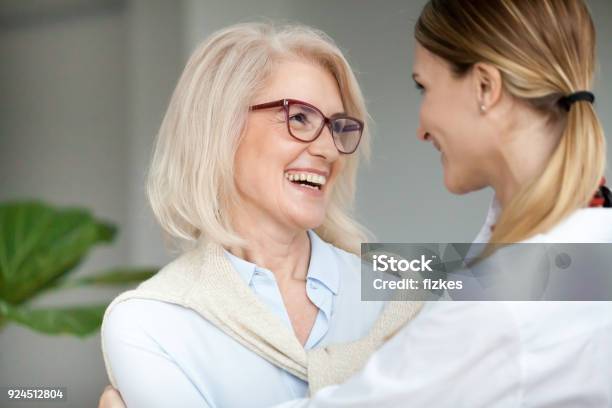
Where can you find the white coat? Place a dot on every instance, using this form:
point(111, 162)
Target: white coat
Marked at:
point(494, 354)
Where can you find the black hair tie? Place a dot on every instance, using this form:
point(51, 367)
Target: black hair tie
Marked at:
point(567, 101)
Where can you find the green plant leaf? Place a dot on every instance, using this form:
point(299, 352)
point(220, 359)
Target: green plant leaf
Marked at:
point(78, 320)
point(39, 244)
point(117, 276)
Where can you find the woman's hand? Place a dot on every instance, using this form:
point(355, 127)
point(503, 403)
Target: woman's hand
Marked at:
point(111, 398)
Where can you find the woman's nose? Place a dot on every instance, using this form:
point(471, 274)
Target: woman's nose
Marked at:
point(324, 145)
point(422, 135)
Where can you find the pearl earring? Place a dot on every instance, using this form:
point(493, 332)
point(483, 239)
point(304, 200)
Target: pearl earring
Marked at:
point(483, 108)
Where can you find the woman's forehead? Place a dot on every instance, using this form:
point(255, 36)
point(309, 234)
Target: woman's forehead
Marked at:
point(304, 81)
point(428, 65)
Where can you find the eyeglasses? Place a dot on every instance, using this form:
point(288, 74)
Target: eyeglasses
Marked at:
point(305, 123)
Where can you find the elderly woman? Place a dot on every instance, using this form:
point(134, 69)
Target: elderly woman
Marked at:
point(254, 175)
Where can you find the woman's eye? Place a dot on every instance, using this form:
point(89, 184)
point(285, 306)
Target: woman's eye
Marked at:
point(420, 88)
point(299, 117)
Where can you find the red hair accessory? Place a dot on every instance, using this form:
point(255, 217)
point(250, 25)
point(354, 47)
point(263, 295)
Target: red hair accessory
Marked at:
point(603, 196)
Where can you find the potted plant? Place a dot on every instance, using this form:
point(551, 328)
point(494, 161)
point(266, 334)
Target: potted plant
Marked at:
point(40, 247)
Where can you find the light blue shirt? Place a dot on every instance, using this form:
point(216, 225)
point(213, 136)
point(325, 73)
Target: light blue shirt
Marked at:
point(164, 355)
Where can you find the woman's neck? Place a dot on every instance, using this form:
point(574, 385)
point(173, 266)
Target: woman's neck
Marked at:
point(282, 250)
point(527, 148)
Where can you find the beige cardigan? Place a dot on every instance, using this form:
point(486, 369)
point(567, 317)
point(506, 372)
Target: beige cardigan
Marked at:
point(204, 280)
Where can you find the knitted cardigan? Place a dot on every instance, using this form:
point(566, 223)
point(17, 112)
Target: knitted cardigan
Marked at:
point(205, 281)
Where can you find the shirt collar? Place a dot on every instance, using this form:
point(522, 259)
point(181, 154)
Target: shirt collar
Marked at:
point(245, 269)
point(484, 235)
point(492, 215)
point(322, 267)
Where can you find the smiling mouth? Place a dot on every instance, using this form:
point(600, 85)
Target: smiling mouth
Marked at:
point(309, 180)
point(436, 145)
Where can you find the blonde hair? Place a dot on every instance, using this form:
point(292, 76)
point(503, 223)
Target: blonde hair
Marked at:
point(190, 184)
point(544, 50)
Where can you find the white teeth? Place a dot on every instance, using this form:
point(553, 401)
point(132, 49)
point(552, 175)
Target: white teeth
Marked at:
point(309, 177)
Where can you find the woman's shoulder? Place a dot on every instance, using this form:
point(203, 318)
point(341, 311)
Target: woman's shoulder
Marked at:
point(143, 315)
point(582, 226)
point(157, 302)
point(141, 308)
point(173, 282)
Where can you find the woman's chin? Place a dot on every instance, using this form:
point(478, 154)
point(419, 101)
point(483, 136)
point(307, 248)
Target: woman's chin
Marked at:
point(455, 184)
point(462, 185)
point(303, 222)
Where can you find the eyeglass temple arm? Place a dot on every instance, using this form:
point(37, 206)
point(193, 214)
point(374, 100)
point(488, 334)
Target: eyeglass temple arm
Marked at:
point(268, 105)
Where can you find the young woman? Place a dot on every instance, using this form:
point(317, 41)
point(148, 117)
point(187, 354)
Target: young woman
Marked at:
point(507, 101)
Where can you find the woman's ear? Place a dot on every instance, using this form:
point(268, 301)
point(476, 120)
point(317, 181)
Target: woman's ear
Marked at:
point(488, 84)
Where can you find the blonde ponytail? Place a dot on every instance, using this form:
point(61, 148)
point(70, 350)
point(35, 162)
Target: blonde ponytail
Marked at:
point(568, 182)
